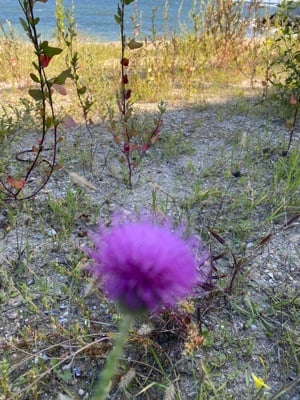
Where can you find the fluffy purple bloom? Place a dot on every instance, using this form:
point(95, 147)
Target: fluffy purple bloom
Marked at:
point(144, 265)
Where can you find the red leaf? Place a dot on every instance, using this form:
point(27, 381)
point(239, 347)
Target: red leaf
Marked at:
point(44, 60)
point(129, 148)
point(16, 183)
point(126, 148)
point(145, 147)
point(265, 239)
point(125, 62)
point(127, 94)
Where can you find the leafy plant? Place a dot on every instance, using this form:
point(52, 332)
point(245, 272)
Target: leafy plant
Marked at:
point(283, 70)
point(10, 51)
point(132, 141)
point(42, 92)
point(220, 25)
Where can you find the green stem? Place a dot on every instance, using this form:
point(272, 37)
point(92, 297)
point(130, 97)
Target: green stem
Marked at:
point(104, 382)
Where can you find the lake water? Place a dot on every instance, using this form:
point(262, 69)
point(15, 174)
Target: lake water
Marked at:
point(96, 18)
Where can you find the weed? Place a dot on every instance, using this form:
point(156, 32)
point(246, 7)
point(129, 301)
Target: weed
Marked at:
point(43, 95)
point(283, 68)
point(174, 144)
point(286, 183)
point(66, 211)
point(125, 130)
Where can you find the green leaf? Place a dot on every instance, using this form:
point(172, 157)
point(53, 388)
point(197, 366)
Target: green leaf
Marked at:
point(35, 21)
point(61, 78)
point(24, 24)
point(36, 94)
point(128, 2)
point(48, 122)
point(66, 375)
point(35, 65)
point(133, 44)
point(117, 19)
point(81, 90)
point(48, 50)
point(34, 78)
point(297, 56)
point(118, 16)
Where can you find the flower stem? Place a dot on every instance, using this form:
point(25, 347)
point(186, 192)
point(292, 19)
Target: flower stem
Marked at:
point(104, 381)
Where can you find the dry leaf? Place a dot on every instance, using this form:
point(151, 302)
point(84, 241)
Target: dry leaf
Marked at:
point(81, 181)
point(16, 183)
point(68, 122)
point(60, 89)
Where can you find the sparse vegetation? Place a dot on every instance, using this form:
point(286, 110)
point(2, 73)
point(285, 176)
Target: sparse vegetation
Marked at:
point(226, 164)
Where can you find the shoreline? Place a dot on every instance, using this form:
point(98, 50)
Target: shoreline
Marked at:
point(83, 38)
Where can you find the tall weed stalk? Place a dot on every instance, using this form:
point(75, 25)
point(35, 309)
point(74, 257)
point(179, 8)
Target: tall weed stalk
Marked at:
point(132, 140)
point(219, 25)
point(41, 159)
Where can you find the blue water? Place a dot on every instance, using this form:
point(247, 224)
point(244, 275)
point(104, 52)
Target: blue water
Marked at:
point(96, 18)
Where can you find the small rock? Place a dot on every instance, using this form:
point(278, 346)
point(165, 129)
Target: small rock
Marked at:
point(12, 314)
point(51, 232)
point(76, 372)
point(271, 276)
point(62, 320)
point(15, 301)
point(30, 281)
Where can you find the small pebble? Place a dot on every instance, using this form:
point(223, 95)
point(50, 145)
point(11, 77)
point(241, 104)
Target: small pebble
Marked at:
point(30, 281)
point(271, 276)
point(12, 314)
point(51, 232)
point(62, 320)
point(76, 372)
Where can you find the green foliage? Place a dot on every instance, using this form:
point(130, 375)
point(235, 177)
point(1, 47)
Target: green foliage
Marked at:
point(60, 19)
point(220, 26)
point(65, 211)
point(10, 52)
point(41, 93)
point(49, 51)
point(4, 378)
point(175, 145)
point(286, 185)
point(283, 69)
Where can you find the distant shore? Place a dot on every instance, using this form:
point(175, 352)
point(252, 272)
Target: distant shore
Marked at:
point(95, 22)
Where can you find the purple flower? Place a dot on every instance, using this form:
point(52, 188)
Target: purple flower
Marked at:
point(145, 265)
